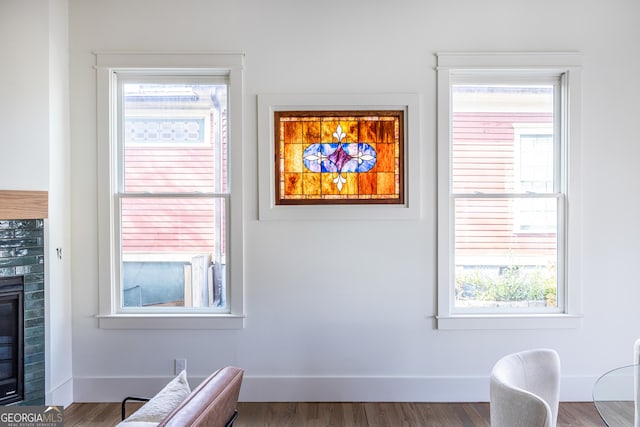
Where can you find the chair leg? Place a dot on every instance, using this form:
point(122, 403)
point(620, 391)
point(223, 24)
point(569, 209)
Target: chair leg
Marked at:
point(124, 401)
point(233, 418)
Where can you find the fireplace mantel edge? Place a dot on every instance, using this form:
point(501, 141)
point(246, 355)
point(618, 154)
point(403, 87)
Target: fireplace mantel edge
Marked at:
point(17, 204)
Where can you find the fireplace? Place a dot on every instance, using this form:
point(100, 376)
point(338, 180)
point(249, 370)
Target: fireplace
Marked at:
point(22, 344)
point(22, 219)
point(11, 340)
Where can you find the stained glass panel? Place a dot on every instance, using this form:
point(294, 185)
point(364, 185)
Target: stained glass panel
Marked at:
point(334, 157)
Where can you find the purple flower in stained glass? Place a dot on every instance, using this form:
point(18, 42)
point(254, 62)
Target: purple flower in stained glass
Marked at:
point(339, 158)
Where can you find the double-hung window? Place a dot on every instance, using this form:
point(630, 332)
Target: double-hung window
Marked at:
point(508, 190)
point(170, 176)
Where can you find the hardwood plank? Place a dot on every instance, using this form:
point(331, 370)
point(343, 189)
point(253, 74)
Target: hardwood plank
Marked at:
point(573, 414)
point(345, 414)
point(92, 414)
point(355, 415)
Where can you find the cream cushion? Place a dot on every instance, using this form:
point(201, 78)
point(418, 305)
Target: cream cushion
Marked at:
point(167, 399)
point(525, 389)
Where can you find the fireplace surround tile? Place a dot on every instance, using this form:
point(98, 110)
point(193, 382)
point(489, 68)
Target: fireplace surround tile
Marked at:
point(22, 254)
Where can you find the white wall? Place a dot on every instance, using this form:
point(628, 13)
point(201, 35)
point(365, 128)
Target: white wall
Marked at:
point(24, 80)
point(366, 331)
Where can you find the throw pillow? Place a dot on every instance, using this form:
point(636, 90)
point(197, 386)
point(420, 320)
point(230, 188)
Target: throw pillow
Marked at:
point(162, 403)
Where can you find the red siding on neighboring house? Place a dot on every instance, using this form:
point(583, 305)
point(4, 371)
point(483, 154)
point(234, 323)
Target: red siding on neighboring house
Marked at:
point(174, 225)
point(169, 169)
point(483, 161)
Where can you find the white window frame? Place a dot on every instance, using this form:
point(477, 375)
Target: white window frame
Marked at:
point(450, 66)
point(108, 64)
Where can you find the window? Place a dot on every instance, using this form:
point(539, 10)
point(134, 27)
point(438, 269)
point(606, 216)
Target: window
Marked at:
point(170, 179)
point(508, 135)
point(534, 173)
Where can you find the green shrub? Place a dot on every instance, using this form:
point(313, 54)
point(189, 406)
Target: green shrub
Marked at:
point(513, 283)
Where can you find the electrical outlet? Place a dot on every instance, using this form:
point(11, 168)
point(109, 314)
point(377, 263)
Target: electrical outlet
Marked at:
point(180, 365)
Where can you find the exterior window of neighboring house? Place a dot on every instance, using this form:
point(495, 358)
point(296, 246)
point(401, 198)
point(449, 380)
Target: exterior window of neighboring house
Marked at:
point(506, 140)
point(167, 199)
point(534, 172)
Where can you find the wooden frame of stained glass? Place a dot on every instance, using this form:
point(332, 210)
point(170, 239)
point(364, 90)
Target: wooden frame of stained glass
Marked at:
point(339, 157)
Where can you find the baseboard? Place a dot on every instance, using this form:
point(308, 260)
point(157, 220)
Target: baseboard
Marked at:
point(389, 389)
point(114, 389)
point(326, 389)
point(61, 395)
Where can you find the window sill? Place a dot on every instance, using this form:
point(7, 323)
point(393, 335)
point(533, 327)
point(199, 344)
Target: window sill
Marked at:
point(171, 321)
point(509, 321)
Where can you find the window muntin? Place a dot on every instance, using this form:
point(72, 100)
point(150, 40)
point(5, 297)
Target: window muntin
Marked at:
point(171, 198)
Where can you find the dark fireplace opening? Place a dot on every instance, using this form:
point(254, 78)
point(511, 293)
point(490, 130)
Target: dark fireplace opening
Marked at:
point(11, 339)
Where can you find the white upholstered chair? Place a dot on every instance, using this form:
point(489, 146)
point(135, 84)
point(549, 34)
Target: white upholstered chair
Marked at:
point(525, 389)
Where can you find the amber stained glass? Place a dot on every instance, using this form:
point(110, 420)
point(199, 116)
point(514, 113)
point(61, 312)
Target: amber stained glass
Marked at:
point(333, 157)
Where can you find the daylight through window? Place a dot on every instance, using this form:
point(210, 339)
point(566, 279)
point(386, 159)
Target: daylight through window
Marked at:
point(173, 193)
point(506, 204)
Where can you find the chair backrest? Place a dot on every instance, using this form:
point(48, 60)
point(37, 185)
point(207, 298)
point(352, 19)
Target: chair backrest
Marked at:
point(211, 404)
point(525, 389)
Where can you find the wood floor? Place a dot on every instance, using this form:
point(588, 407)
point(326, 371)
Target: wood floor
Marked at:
point(582, 414)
